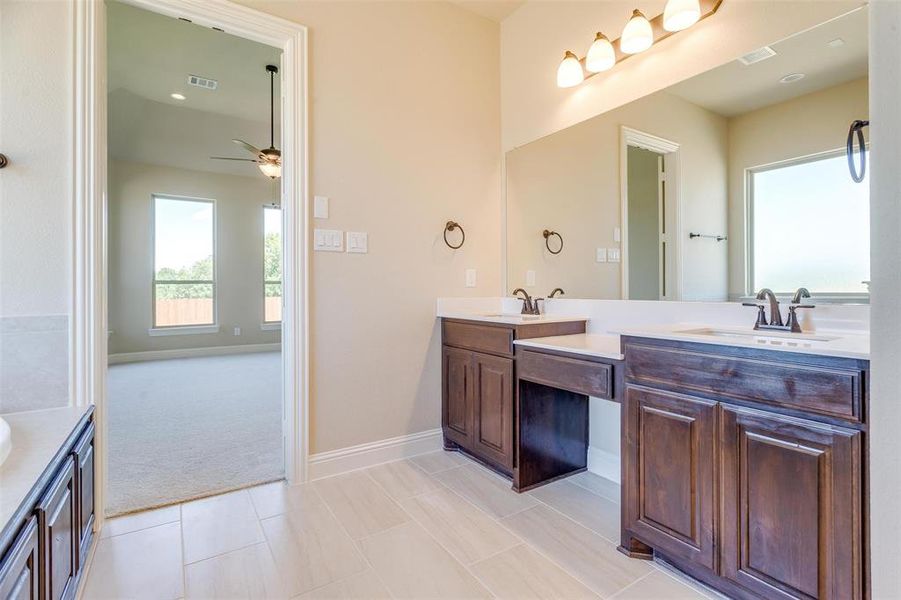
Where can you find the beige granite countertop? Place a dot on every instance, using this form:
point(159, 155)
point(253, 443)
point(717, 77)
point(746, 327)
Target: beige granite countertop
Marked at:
point(36, 437)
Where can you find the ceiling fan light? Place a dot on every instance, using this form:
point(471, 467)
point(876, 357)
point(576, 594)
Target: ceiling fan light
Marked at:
point(601, 55)
point(271, 169)
point(637, 34)
point(681, 14)
point(570, 72)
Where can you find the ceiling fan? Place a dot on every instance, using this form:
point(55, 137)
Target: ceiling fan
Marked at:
point(269, 160)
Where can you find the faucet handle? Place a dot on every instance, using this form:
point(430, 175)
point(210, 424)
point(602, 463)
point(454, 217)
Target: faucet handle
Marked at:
point(793, 324)
point(761, 313)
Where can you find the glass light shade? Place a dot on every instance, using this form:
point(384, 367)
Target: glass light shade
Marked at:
point(570, 72)
point(271, 169)
point(681, 14)
point(637, 34)
point(601, 55)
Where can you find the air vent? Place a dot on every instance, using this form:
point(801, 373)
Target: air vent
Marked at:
point(202, 82)
point(757, 55)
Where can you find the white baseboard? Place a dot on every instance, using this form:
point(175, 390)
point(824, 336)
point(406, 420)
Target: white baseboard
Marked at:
point(326, 464)
point(130, 357)
point(604, 464)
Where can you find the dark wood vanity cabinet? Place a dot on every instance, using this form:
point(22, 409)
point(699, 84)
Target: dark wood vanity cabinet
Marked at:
point(44, 546)
point(478, 371)
point(751, 482)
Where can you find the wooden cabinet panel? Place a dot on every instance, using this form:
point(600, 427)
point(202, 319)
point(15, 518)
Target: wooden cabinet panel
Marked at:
point(669, 471)
point(19, 579)
point(58, 539)
point(84, 477)
point(493, 402)
point(457, 395)
point(479, 337)
point(580, 376)
point(791, 506)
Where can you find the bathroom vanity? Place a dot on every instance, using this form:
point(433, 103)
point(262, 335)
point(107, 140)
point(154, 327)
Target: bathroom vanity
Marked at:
point(47, 503)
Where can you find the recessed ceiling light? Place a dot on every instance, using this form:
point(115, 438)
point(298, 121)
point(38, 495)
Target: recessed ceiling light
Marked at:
point(792, 78)
point(836, 43)
point(177, 96)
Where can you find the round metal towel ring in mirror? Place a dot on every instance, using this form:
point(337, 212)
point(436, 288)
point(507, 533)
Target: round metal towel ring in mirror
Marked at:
point(450, 226)
point(547, 242)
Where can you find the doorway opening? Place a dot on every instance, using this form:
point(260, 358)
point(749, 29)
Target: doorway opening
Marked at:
point(194, 389)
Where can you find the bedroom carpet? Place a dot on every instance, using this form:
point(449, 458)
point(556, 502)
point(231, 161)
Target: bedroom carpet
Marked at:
point(190, 427)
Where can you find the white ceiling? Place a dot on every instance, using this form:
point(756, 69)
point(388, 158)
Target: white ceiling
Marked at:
point(150, 57)
point(496, 10)
point(735, 88)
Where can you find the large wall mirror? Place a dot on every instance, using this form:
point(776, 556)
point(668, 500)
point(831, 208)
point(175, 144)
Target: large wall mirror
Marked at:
point(716, 187)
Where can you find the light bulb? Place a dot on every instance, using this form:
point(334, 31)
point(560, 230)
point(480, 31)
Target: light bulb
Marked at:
point(637, 34)
point(270, 169)
point(681, 14)
point(601, 55)
point(569, 73)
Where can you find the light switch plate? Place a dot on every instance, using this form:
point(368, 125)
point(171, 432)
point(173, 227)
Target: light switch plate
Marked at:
point(530, 278)
point(357, 242)
point(470, 277)
point(600, 255)
point(613, 255)
point(320, 207)
point(328, 240)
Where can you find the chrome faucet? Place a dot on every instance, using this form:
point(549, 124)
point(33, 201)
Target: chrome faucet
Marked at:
point(555, 292)
point(529, 304)
point(775, 322)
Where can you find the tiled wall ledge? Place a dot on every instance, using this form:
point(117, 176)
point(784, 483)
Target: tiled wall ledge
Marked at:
point(34, 362)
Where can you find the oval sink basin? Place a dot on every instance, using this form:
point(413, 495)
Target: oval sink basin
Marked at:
point(6, 442)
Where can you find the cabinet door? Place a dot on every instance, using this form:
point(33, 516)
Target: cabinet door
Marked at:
point(58, 535)
point(457, 395)
point(493, 401)
point(791, 506)
point(19, 579)
point(84, 479)
point(669, 473)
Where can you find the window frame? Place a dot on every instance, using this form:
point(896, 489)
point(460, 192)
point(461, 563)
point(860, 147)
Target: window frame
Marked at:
point(750, 290)
point(194, 327)
point(272, 324)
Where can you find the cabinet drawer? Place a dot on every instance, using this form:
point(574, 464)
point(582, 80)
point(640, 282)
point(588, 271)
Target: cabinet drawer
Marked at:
point(572, 374)
point(827, 390)
point(481, 338)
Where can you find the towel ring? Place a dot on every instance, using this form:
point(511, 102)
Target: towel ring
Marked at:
point(450, 226)
point(547, 242)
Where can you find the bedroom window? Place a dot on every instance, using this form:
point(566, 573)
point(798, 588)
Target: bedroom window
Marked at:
point(184, 262)
point(272, 264)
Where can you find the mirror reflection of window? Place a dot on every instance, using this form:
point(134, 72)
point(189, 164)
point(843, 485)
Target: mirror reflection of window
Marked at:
point(811, 223)
point(272, 265)
point(184, 281)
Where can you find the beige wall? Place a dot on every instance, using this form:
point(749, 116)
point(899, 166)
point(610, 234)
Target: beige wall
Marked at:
point(239, 254)
point(535, 36)
point(570, 182)
point(405, 135)
point(810, 124)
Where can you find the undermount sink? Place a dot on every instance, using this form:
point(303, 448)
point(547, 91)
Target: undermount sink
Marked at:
point(6, 442)
point(764, 338)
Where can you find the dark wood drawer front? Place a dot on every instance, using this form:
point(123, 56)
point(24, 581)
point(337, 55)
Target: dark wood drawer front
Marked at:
point(481, 338)
point(574, 375)
point(825, 390)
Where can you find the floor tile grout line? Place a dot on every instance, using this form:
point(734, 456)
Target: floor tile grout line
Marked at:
point(619, 592)
point(574, 520)
point(399, 500)
point(575, 481)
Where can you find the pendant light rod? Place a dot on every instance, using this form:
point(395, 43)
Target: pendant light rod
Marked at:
point(272, 69)
point(708, 7)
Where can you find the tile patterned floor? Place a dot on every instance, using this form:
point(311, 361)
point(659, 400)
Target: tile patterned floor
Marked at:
point(434, 526)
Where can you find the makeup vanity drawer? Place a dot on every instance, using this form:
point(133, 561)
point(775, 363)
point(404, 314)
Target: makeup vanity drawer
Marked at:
point(829, 387)
point(571, 374)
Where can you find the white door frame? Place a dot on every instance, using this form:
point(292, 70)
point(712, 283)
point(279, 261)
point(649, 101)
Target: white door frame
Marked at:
point(673, 157)
point(88, 346)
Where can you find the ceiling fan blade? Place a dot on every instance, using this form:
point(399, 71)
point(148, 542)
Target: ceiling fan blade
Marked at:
point(252, 149)
point(230, 158)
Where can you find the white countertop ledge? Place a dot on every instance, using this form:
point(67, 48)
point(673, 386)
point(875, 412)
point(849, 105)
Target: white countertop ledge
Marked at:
point(588, 344)
point(509, 319)
point(841, 344)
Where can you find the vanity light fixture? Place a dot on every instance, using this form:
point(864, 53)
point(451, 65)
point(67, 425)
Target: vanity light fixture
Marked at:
point(639, 34)
point(681, 14)
point(601, 55)
point(569, 73)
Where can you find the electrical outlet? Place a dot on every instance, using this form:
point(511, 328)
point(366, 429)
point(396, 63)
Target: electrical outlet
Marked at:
point(530, 278)
point(320, 207)
point(357, 242)
point(470, 277)
point(600, 255)
point(617, 234)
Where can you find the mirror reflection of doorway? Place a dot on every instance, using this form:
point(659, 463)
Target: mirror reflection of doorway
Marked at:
point(647, 224)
